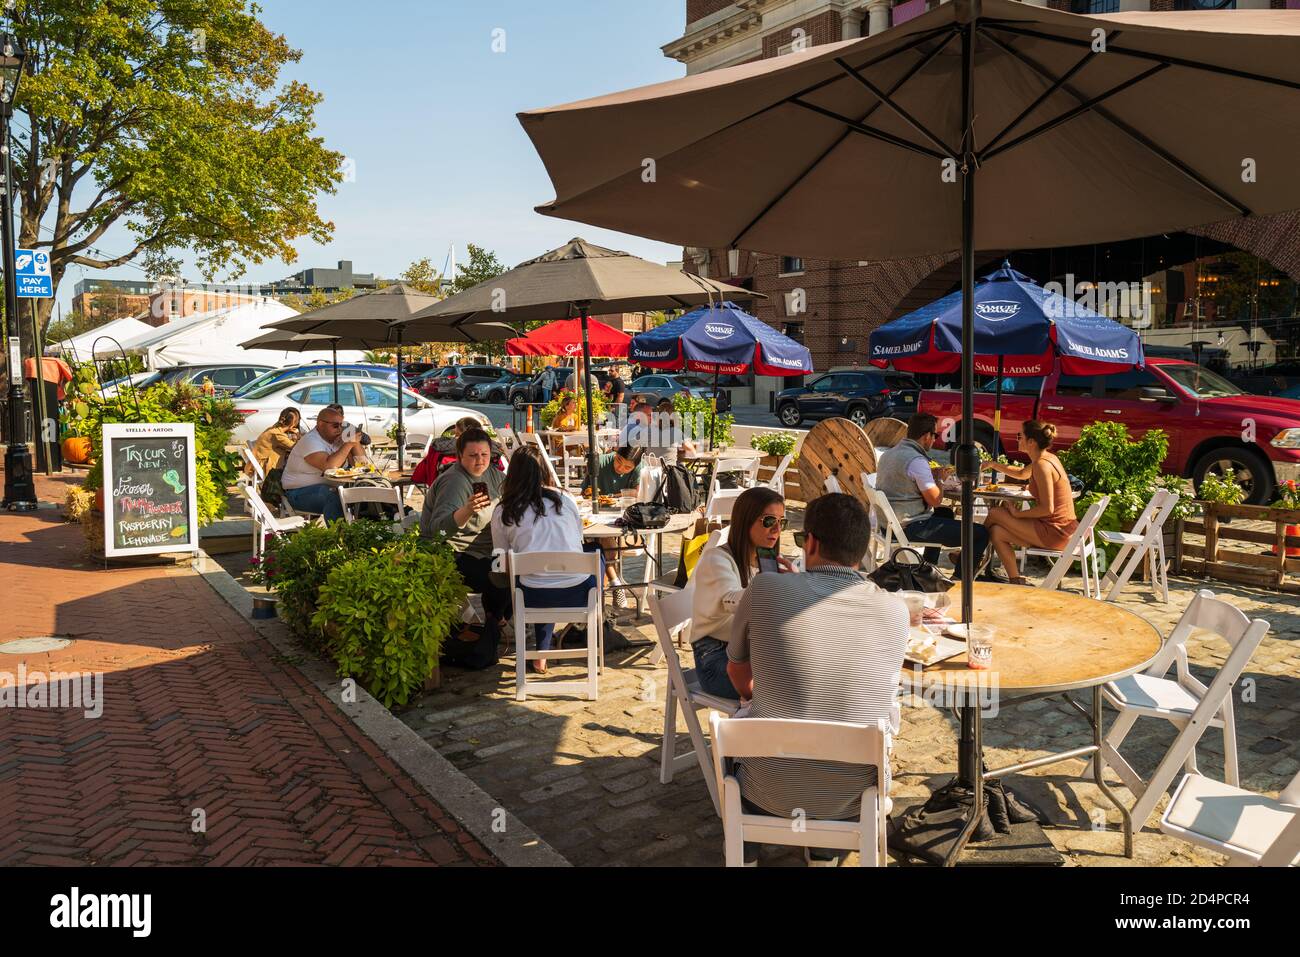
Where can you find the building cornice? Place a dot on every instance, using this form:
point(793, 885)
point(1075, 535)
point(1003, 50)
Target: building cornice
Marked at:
point(725, 26)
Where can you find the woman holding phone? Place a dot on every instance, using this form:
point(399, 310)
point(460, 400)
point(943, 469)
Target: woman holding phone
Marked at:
point(723, 574)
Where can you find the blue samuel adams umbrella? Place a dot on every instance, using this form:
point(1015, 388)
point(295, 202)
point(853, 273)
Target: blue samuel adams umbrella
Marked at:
point(1021, 329)
point(722, 339)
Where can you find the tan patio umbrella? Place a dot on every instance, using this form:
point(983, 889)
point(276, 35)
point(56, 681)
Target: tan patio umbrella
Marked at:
point(371, 317)
point(289, 341)
point(1077, 129)
point(1081, 129)
point(577, 279)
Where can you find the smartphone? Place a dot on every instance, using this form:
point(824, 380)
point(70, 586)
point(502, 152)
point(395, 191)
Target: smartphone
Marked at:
point(480, 488)
point(767, 560)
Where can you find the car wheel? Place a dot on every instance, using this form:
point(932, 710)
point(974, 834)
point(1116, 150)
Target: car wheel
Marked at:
point(518, 400)
point(789, 415)
point(471, 394)
point(1251, 470)
point(859, 415)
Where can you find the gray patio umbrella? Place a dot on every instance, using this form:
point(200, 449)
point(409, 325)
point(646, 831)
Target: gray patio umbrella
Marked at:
point(289, 341)
point(371, 317)
point(1078, 129)
point(579, 279)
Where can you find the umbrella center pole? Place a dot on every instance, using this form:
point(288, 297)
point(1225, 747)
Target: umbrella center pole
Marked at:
point(593, 459)
point(966, 458)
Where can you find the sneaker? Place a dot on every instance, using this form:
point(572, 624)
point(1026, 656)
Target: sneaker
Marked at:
point(624, 599)
point(819, 860)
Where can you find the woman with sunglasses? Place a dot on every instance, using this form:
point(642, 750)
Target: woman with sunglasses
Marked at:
point(721, 577)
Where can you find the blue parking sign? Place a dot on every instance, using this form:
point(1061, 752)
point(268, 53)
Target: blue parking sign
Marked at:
point(32, 274)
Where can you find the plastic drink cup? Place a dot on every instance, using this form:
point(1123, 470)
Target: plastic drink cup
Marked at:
point(915, 601)
point(979, 647)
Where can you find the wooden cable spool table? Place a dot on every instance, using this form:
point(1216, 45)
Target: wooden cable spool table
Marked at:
point(886, 432)
point(837, 450)
point(1046, 643)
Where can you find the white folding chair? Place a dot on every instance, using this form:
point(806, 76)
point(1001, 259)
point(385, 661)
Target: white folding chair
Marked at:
point(557, 563)
point(258, 477)
point(891, 529)
point(671, 610)
point(1183, 701)
point(1248, 827)
point(1146, 540)
point(748, 467)
point(536, 440)
point(1081, 548)
point(720, 504)
point(574, 459)
point(862, 744)
point(265, 522)
point(350, 497)
point(777, 482)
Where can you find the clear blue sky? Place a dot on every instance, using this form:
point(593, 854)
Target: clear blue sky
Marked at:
point(416, 97)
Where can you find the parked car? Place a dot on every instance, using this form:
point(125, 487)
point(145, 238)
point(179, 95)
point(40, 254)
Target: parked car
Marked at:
point(384, 373)
point(543, 385)
point(661, 385)
point(368, 404)
point(226, 377)
point(495, 391)
point(455, 386)
point(1212, 425)
point(432, 381)
point(857, 394)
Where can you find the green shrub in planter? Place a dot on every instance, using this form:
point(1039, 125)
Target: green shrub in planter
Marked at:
point(385, 614)
point(779, 444)
point(296, 566)
point(695, 414)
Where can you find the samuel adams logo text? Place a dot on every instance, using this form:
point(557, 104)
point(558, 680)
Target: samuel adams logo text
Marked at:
point(996, 310)
point(715, 330)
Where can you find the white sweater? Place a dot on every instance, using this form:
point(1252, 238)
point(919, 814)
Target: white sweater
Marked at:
point(717, 593)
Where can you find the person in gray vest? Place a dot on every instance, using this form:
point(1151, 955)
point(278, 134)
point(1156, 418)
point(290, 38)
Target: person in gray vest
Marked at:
point(904, 475)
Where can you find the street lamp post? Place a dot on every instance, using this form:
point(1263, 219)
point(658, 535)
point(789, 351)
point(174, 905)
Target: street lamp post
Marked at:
point(20, 489)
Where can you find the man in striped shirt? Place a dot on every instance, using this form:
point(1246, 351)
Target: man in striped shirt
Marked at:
point(823, 645)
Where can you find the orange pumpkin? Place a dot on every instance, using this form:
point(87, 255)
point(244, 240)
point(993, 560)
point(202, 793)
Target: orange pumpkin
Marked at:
point(76, 449)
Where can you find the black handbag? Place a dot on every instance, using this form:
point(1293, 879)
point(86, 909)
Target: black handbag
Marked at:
point(911, 575)
point(645, 515)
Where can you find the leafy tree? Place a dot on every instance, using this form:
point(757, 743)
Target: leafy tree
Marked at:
point(482, 266)
point(423, 276)
point(167, 117)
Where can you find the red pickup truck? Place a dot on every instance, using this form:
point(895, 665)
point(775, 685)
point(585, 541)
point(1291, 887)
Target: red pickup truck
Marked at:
point(1212, 425)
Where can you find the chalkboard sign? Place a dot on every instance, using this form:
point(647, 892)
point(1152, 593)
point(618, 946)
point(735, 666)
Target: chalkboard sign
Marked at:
point(149, 496)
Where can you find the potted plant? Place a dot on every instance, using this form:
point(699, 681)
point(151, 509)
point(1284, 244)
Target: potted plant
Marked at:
point(774, 445)
point(1288, 497)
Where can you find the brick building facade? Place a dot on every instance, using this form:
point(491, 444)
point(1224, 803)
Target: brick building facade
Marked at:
point(843, 301)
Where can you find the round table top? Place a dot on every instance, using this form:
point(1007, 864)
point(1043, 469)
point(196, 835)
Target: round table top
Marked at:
point(1046, 641)
point(702, 455)
point(602, 528)
point(835, 447)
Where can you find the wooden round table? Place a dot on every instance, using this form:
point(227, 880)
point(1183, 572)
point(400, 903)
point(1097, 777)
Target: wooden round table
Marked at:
point(835, 448)
point(1045, 643)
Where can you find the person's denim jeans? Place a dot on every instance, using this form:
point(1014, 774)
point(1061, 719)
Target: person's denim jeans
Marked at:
point(942, 528)
point(575, 596)
point(323, 499)
point(711, 667)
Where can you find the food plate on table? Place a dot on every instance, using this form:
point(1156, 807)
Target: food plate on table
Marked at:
point(926, 646)
point(607, 501)
point(354, 472)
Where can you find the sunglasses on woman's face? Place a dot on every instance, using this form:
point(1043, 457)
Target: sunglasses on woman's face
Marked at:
point(771, 521)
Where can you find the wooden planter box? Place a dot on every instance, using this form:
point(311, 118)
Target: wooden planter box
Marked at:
point(1217, 558)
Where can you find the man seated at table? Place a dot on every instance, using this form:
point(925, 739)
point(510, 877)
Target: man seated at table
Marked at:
point(824, 645)
point(904, 475)
point(316, 452)
point(459, 505)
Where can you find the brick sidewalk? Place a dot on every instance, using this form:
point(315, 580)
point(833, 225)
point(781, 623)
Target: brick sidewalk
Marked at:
point(199, 714)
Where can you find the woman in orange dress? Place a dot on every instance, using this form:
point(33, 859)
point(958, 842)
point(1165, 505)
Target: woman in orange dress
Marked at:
point(1050, 522)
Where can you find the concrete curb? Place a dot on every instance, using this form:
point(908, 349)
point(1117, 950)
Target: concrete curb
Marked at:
point(508, 838)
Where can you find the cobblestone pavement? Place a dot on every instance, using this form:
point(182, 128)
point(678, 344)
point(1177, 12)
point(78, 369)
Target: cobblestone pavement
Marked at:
point(585, 775)
point(198, 714)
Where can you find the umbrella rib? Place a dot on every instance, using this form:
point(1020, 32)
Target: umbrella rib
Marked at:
point(1157, 57)
point(1038, 101)
point(874, 134)
point(915, 68)
point(1085, 107)
point(886, 99)
point(1140, 138)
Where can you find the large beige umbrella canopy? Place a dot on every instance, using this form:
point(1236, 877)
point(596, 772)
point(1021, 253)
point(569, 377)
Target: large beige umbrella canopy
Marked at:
point(982, 124)
point(577, 279)
point(1076, 129)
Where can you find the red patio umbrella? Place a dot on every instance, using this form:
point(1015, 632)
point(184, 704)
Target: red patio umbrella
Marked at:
point(563, 337)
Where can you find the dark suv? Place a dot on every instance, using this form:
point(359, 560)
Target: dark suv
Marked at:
point(854, 394)
point(454, 386)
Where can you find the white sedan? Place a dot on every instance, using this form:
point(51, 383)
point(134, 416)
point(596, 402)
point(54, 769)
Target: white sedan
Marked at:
point(367, 403)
